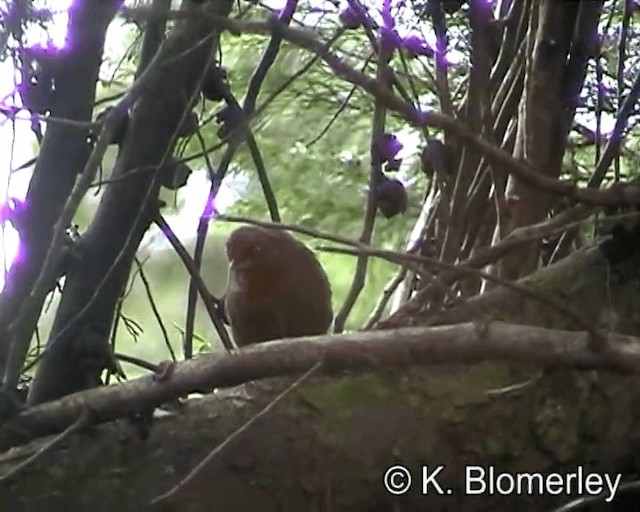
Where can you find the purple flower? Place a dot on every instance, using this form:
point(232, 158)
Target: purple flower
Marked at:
point(594, 45)
point(633, 6)
point(416, 45)
point(389, 40)
point(604, 89)
point(421, 118)
point(389, 146)
point(387, 19)
point(352, 17)
point(393, 165)
point(391, 197)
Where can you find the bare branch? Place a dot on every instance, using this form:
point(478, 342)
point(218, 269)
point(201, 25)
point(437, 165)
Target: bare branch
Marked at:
point(360, 351)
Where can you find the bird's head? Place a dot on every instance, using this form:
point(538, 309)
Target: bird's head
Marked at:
point(256, 263)
point(250, 247)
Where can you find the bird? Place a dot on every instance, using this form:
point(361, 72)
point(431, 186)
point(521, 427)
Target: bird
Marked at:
point(276, 289)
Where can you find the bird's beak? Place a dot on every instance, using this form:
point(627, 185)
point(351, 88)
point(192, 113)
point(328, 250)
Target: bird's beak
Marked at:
point(237, 266)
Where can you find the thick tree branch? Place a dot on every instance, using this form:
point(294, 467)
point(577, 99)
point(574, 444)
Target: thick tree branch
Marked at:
point(77, 349)
point(361, 351)
point(62, 157)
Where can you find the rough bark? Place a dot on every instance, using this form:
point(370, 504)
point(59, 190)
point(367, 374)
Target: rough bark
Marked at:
point(327, 445)
point(556, 69)
point(62, 156)
point(79, 338)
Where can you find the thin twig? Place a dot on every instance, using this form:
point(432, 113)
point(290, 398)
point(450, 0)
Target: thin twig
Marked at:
point(136, 361)
point(375, 177)
point(387, 293)
point(218, 449)
point(80, 423)
point(583, 503)
point(114, 332)
point(253, 89)
point(599, 341)
point(263, 177)
point(200, 286)
point(154, 308)
point(201, 235)
point(343, 105)
point(613, 145)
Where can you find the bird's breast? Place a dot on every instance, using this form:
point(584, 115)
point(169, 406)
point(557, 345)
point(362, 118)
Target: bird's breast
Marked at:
point(255, 286)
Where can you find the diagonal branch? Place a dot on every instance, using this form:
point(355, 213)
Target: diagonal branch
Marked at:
point(361, 351)
point(525, 172)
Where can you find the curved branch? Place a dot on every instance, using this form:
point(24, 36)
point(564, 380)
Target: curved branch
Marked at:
point(361, 351)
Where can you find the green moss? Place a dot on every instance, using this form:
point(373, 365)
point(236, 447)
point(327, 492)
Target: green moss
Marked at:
point(346, 393)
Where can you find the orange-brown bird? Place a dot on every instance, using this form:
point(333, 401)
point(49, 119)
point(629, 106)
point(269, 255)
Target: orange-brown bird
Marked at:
point(276, 288)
